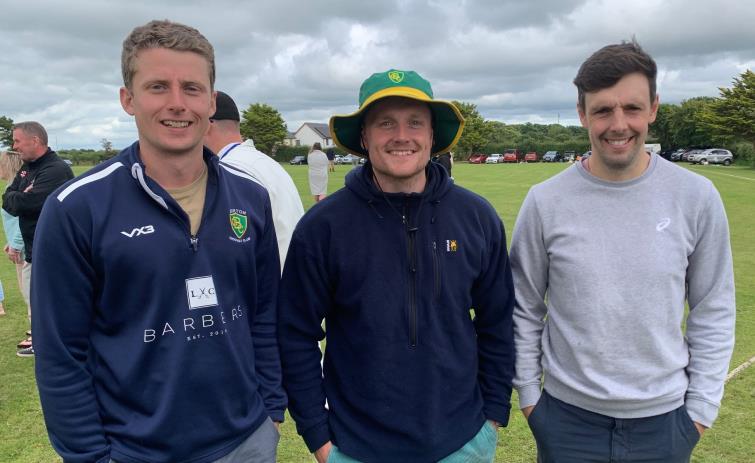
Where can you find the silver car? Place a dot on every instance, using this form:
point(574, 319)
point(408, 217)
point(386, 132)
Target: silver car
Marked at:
point(712, 156)
point(495, 158)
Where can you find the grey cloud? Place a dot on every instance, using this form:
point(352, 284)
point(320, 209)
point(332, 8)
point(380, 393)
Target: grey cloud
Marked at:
point(515, 60)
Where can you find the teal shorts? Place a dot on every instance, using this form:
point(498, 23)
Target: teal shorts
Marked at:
point(481, 449)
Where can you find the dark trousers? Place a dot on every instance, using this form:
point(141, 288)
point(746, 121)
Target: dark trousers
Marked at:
point(565, 434)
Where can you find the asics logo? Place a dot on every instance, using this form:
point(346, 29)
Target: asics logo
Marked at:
point(145, 230)
point(663, 224)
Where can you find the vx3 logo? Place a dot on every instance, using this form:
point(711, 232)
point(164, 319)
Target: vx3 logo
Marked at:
point(145, 230)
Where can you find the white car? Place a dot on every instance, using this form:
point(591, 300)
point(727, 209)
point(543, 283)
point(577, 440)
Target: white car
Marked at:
point(494, 158)
point(712, 156)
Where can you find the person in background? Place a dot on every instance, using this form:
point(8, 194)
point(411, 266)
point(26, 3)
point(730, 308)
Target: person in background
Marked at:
point(41, 173)
point(10, 164)
point(607, 367)
point(224, 139)
point(331, 153)
point(445, 160)
point(318, 172)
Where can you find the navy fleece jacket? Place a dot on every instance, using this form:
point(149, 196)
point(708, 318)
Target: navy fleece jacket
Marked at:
point(409, 375)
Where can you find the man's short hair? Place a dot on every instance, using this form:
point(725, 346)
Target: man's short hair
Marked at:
point(610, 64)
point(33, 129)
point(164, 34)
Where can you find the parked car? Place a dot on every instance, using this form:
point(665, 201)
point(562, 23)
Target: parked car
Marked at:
point(298, 161)
point(477, 158)
point(552, 156)
point(686, 155)
point(495, 158)
point(350, 159)
point(569, 156)
point(666, 154)
point(584, 155)
point(677, 155)
point(338, 159)
point(512, 155)
point(531, 157)
point(712, 156)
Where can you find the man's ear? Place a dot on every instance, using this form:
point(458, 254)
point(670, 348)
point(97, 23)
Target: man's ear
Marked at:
point(654, 108)
point(213, 104)
point(127, 100)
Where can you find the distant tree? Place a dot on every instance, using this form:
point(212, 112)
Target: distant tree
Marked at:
point(689, 126)
point(476, 131)
point(504, 134)
point(733, 114)
point(6, 131)
point(107, 145)
point(661, 128)
point(264, 125)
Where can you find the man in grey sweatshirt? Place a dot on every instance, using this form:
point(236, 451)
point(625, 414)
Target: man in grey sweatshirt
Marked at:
point(605, 255)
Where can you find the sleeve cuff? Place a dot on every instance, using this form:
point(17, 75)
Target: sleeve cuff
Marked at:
point(498, 414)
point(701, 411)
point(316, 437)
point(529, 395)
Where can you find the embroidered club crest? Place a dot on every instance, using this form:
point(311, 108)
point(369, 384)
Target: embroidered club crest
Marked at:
point(238, 223)
point(396, 76)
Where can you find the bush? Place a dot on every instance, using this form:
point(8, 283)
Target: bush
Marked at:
point(744, 153)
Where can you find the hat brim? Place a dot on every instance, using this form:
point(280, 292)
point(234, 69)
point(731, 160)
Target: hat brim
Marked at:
point(449, 123)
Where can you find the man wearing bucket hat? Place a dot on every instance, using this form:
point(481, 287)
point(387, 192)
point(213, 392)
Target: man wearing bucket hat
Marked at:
point(408, 374)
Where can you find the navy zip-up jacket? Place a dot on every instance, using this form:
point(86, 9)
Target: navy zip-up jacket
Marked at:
point(153, 345)
point(409, 375)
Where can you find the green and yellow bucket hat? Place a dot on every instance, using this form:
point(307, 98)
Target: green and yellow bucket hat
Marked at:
point(449, 123)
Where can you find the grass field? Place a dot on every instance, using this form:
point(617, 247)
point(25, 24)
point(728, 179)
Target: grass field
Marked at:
point(22, 433)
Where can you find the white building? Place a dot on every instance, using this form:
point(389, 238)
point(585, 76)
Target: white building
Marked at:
point(311, 132)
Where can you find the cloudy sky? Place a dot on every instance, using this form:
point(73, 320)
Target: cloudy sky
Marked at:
point(515, 60)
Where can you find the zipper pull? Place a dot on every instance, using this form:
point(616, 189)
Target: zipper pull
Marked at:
point(194, 243)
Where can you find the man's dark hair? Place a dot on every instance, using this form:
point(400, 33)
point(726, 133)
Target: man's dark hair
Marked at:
point(610, 64)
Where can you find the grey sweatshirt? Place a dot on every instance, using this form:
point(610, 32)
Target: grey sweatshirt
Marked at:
point(600, 270)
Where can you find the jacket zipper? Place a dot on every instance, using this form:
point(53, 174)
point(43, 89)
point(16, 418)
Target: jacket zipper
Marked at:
point(410, 234)
point(436, 272)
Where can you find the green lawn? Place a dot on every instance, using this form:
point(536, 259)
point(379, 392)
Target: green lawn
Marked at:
point(24, 439)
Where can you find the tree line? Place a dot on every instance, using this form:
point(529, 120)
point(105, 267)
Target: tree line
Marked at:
point(727, 121)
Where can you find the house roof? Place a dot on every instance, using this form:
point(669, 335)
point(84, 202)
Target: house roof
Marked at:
point(321, 129)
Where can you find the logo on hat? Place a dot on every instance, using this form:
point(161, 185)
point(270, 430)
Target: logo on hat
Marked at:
point(396, 76)
point(238, 222)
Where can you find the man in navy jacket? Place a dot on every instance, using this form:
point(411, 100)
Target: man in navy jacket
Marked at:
point(394, 263)
point(155, 283)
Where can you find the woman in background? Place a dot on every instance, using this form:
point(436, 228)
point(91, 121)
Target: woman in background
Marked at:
point(10, 163)
point(318, 172)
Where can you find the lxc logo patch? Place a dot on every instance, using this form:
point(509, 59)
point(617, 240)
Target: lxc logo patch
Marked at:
point(138, 231)
point(201, 292)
